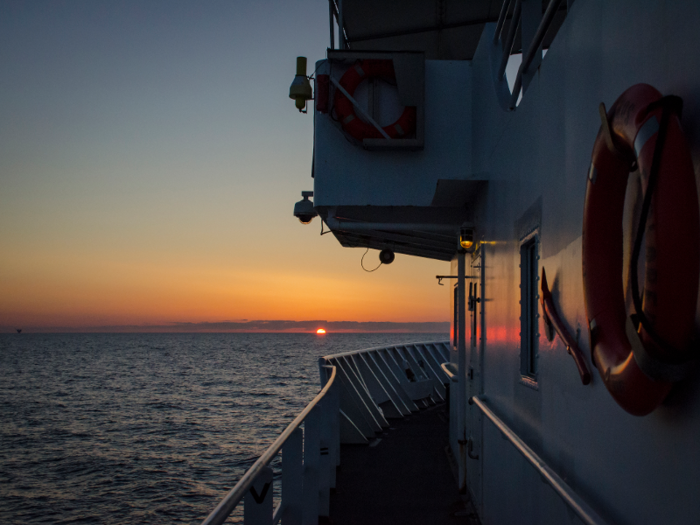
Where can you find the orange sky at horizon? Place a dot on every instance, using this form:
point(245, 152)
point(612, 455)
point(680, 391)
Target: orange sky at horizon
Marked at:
point(152, 179)
point(75, 290)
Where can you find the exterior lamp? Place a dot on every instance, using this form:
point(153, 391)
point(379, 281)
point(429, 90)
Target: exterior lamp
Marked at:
point(304, 209)
point(466, 238)
point(300, 90)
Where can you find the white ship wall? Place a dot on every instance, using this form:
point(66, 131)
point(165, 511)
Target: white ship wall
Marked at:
point(631, 470)
point(346, 174)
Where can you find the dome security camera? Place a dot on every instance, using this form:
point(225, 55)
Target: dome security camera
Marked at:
point(304, 209)
point(386, 256)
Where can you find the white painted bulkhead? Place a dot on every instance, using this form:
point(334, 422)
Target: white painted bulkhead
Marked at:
point(631, 470)
point(346, 174)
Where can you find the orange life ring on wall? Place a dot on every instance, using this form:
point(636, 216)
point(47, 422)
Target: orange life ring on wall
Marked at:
point(639, 364)
point(345, 111)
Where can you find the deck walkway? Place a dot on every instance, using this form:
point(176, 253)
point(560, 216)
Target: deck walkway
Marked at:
point(403, 477)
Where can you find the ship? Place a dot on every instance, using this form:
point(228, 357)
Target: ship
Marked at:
point(547, 152)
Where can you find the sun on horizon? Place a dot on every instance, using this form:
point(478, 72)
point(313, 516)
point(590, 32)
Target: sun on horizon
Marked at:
point(320, 331)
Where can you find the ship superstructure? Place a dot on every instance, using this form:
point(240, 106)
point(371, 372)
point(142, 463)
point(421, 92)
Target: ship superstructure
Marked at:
point(473, 133)
point(517, 173)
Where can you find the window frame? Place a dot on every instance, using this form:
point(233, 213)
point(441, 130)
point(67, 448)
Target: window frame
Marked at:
point(529, 252)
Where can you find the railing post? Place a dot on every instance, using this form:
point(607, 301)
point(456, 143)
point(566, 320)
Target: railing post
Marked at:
point(341, 26)
point(331, 10)
point(324, 487)
point(312, 452)
point(335, 428)
point(292, 478)
point(257, 503)
point(330, 433)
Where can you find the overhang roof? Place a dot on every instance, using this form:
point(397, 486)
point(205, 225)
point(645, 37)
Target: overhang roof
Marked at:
point(442, 29)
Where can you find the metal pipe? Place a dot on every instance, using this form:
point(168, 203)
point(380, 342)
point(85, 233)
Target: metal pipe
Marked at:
point(341, 26)
point(461, 367)
point(514, 24)
point(534, 47)
point(376, 349)
point(501, 20)
point(448, 368)
point(360, 108)
point(573, 500)
point(235, 495)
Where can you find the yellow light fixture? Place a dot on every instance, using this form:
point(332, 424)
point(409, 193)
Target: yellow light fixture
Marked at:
point(466, 238)
point(300, 90)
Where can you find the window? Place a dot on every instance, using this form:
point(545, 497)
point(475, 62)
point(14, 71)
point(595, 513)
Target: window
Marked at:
point(528, 306)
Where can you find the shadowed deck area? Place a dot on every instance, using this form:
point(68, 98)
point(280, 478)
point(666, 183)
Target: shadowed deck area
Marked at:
point(404, 477)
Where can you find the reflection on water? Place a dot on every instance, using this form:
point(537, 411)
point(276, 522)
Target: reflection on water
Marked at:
point(147, 428)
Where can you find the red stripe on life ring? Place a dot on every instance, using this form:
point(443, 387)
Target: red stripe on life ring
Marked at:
point(356, 127)
point(671, 279)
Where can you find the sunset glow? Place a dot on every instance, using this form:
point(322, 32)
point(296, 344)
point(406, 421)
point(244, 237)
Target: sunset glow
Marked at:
point(152, 207)
point(320, 331)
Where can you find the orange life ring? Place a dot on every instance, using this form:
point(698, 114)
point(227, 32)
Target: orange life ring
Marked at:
point(639, 364)
point(345, 112)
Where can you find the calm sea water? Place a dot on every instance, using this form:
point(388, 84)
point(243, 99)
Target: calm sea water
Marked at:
point(147, 428)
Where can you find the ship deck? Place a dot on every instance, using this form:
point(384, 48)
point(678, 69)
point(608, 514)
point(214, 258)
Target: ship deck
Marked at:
point(403, 477)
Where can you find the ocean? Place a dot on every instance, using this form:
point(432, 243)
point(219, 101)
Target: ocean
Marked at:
point(148, 428)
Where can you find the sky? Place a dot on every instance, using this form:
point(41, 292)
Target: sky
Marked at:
point(150, 159)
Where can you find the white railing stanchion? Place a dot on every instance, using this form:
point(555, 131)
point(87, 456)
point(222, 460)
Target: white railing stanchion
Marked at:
point(324, 474)
point(335, 430)
point(326, 460)
point(312, 455)
point(237, 493)
point(292, 478)
point(330, 437)
point(257, 503)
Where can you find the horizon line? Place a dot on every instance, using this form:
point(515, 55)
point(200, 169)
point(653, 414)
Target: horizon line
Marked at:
point(257, 326)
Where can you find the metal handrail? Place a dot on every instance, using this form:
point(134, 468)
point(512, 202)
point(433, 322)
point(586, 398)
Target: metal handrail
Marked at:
point(534, 46)
point(508, 46)
point(447, 368)
point(235, 495)
point(501, 20)
point(366, 350)
point(566, 493)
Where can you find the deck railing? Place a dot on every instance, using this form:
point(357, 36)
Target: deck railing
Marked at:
point(309, 459)
point(584, 511)
point(400, 378)
point(387, 382)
